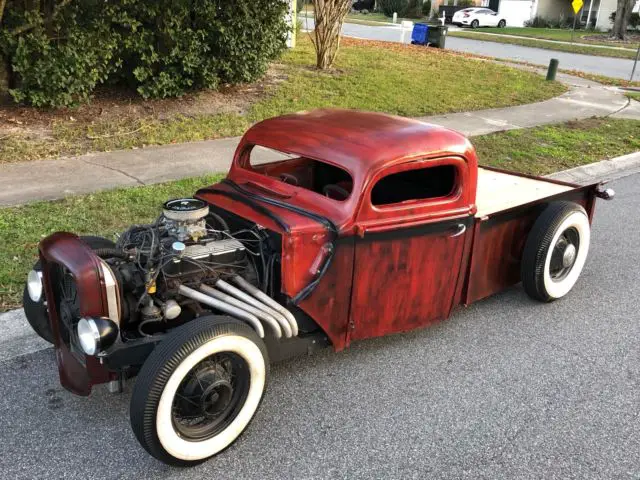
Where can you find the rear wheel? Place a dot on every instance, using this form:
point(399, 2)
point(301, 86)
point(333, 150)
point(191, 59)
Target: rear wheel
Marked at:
point(475, 24)
point(555, 251)
point(36, 312)
point(502, 23)
point(199, 390)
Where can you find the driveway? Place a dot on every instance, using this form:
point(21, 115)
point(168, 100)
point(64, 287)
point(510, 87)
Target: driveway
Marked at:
point(611, 67)
point(508, 388)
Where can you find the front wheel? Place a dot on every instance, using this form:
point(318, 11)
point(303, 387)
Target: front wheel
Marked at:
point(555, 251)
point(502, 24)
point(475, 24)
point(198, 390)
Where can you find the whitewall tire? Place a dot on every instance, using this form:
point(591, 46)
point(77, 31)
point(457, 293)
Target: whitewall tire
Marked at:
point(555, 251)
point(199, 390)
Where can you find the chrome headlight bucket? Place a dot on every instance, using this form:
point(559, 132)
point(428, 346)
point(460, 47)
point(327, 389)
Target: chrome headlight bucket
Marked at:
point(96, 334)
point(34, 285)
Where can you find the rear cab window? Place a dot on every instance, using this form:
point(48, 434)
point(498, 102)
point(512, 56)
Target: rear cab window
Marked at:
point(414, 185)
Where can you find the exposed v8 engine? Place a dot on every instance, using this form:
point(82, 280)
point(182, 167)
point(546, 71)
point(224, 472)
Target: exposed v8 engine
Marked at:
point(189, 262)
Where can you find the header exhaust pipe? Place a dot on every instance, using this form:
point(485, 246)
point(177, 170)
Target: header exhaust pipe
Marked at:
point(265, 317)
point(252, 300)
point(263, 297)
point(223, 307)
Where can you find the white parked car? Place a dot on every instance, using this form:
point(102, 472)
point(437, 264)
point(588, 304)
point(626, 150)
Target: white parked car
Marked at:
point(478, 17)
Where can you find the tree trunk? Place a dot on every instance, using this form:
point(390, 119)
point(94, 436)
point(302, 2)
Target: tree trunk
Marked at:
point(328, 16)
point(623, 12)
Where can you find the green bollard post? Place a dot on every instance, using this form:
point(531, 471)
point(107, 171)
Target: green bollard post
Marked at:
point(553, 69)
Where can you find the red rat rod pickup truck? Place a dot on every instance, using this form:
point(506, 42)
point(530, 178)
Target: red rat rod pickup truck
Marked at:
point(331, 226)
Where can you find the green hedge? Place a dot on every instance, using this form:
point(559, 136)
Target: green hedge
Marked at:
point(59, 52)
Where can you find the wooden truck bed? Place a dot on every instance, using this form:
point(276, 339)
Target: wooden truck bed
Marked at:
point(498, 191)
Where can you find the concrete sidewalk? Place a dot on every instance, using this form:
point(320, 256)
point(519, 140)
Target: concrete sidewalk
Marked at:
point(21, 183)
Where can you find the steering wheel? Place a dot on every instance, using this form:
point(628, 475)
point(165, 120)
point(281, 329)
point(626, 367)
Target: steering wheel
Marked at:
point(289, 178)
point(336, 192)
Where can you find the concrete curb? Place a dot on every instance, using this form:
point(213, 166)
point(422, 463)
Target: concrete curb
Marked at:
point(17, 338)
point(612, 169)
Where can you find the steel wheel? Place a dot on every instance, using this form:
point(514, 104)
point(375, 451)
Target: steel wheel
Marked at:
point(564, 254)
point(210, 396)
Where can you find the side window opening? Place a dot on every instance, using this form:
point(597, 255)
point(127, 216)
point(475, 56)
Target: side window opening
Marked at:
point(420, 184)
point(320, 177)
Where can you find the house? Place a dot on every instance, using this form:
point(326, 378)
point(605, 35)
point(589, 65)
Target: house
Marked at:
point(595, 13)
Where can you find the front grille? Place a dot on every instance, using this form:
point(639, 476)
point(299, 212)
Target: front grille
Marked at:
point(67, 303)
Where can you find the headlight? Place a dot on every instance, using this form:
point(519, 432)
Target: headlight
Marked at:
point(96, 334)
point(34, 285)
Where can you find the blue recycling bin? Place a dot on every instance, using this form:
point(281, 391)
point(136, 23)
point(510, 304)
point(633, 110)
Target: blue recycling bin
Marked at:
point(420, 34)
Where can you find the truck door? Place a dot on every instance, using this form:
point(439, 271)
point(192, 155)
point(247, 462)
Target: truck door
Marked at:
point(411, 232)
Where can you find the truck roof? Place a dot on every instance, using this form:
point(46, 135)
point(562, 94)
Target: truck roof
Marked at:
point(361, 142)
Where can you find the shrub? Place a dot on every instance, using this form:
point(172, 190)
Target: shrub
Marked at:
point(388, 7)
point(361, 5)
point(171, 47)
point(633, 22)
point(466, 3)
point(160, 47)
point(426, 8)
point(57, 58)
point(541, 22)
point(413, 9)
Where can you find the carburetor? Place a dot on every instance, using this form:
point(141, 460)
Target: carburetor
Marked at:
point(186, 218)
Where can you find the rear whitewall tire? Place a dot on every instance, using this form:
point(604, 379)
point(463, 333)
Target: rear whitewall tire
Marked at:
point(558, 289)
point(152, 401)
point(540, 280)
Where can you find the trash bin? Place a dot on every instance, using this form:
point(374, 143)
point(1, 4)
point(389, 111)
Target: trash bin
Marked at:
point(420, 34)
point(437, 35)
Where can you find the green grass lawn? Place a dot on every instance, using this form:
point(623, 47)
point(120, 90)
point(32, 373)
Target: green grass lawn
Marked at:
point(633, 96)
point(379, 76)
point(532, 42)
point(538, 150)
point(552, 148)
point(560, 34)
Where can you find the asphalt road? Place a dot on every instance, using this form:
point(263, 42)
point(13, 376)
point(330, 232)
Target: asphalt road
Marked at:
point(611, 67)
point(508, 388)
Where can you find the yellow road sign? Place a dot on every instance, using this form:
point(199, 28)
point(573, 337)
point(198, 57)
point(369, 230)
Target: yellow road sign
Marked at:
point(577, 5)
